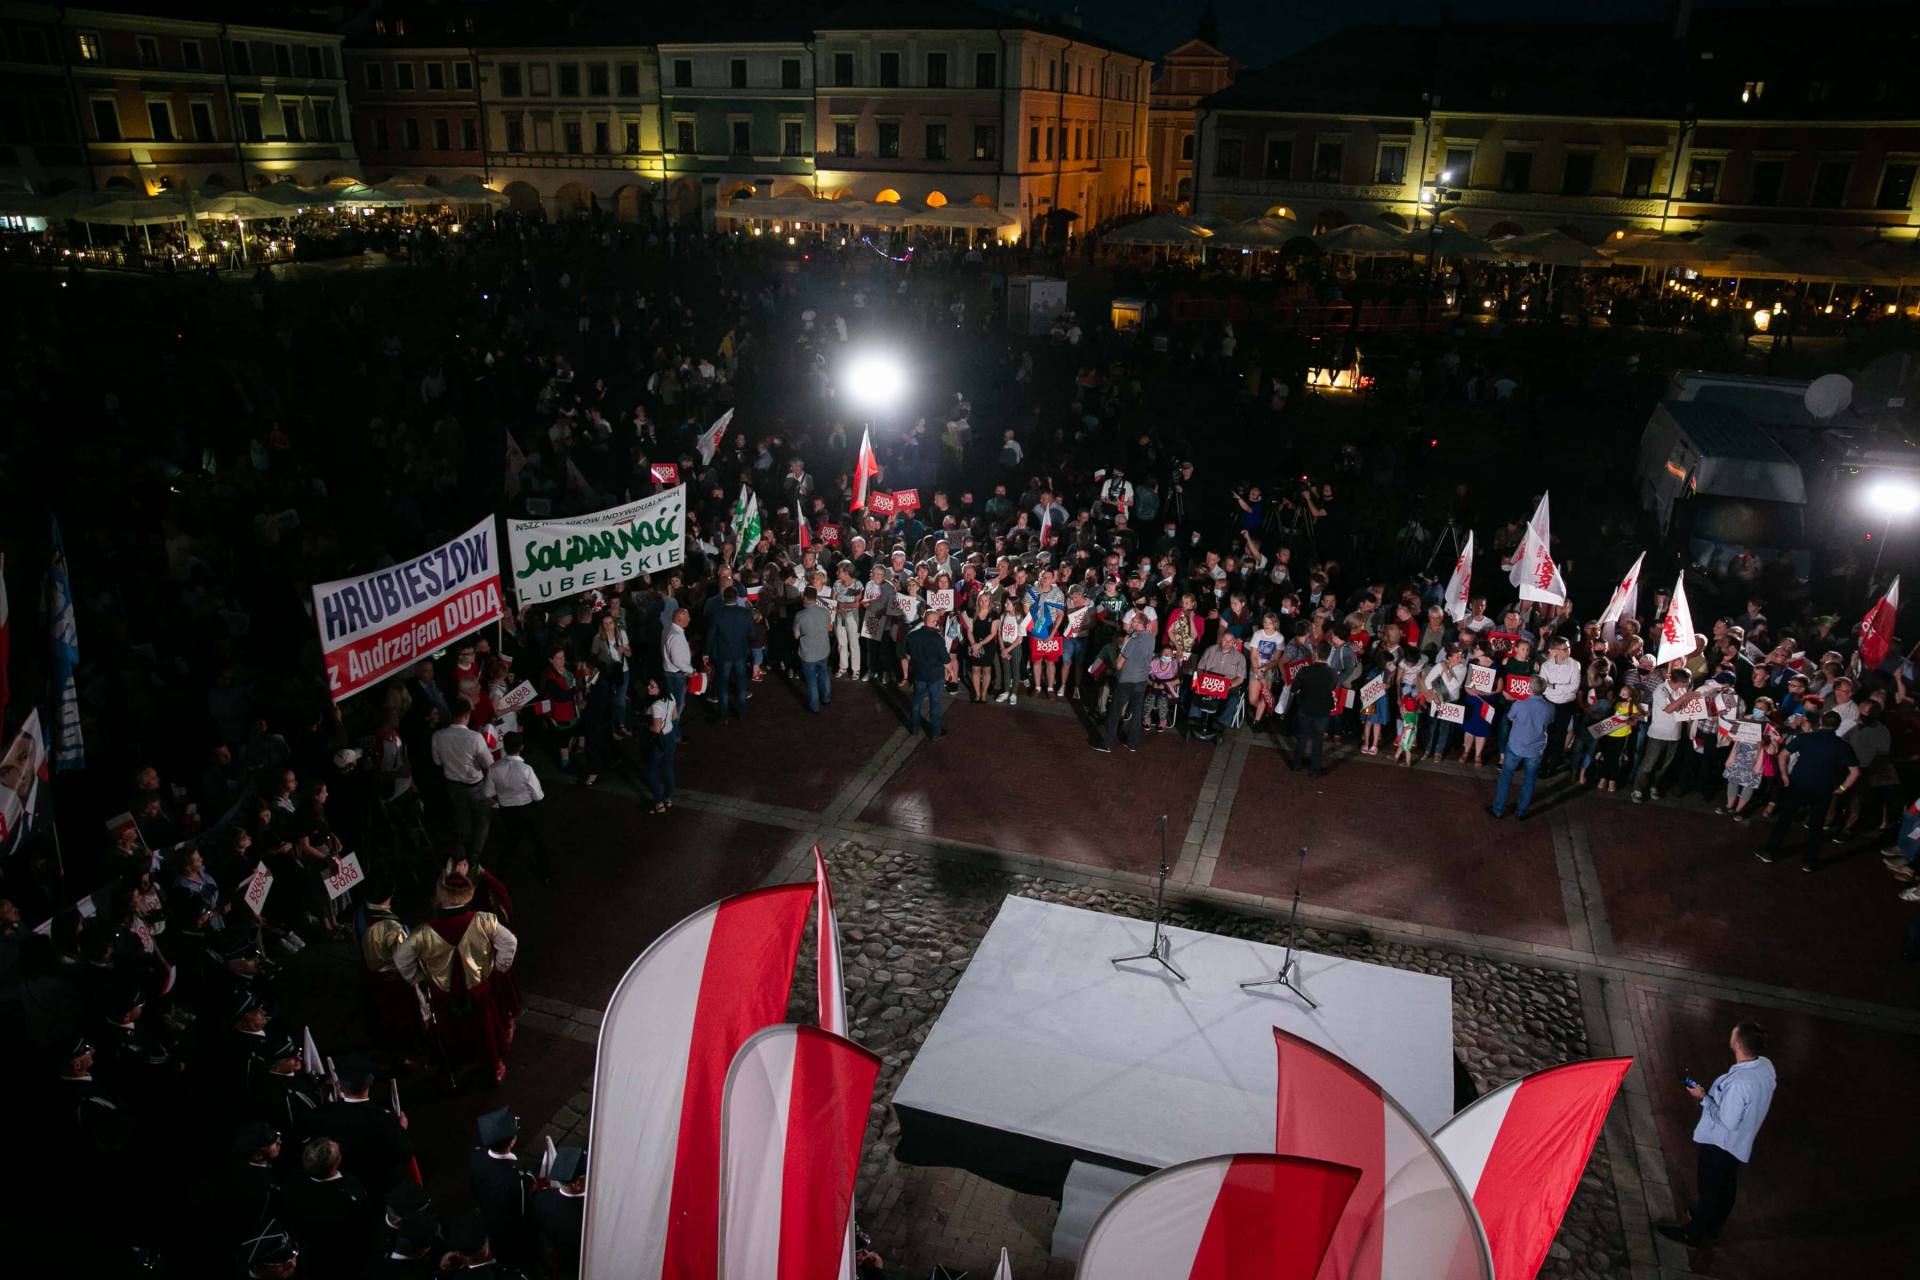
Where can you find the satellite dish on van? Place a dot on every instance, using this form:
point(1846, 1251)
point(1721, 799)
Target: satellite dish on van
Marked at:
point(1828, 395)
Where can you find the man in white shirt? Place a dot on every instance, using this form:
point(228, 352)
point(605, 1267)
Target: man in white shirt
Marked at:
point(464, 758)
point(676, 656)
point(1663, 732)
point(1732, 1109)
point(515, 791)
point(1562, 676)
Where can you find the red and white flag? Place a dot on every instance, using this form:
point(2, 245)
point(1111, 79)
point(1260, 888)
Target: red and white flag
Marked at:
point(806, 534)
point(1534, 571)
point(1677, 637)
point(1409, 1218)
point(709, 441)
point(1246, 1217)
point(792, 1121)
point(1876, 629)
point(1046, 527)
point(1520, 1152)
point(866, 469)
point(1460, 585)
point(6, 639)
point(1626, 596)
point(670, 1034)
point(833, 1002)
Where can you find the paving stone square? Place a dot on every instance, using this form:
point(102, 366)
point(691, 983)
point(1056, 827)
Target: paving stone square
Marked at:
point(1405, 844)
point(824, 753)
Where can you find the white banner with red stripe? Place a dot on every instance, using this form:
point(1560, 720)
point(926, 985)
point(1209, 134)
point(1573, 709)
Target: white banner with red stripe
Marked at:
point(381, 622)
point(794, 1115)
point(1244, 1217)
point(670, 1034)
point(1409, 1218)
point(1520, 1151)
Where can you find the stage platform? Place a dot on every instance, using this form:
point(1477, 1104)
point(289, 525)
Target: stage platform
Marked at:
point(1048, 1053)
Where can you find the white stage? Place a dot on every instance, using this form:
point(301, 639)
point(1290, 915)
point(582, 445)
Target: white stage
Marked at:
point(1047, 1052)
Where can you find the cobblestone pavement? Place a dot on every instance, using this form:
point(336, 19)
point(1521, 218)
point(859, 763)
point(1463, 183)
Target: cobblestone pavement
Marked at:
point(1596, 928)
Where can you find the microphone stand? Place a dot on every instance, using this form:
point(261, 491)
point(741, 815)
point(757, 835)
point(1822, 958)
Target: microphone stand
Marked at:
point(1161, 946)
point(1289, 967)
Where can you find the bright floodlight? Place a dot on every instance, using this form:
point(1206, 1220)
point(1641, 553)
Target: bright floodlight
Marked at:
point(873, 382)
point(1894, 498)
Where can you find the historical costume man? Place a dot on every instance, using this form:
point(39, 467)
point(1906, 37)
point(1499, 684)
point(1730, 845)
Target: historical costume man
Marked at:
point(456, 954)
point(393, 1004)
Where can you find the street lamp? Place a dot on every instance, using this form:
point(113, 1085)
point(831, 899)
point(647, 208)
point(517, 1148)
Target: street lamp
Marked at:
point(1896, 500)
point(873, 381)
point(1442, 194)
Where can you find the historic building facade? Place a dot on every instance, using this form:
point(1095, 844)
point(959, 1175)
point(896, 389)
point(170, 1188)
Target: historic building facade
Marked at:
point(736, 115)
point(415, 85)
point(1184, 77)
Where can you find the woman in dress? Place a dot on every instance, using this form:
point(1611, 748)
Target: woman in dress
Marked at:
point(980, 647)
point(1744, 768)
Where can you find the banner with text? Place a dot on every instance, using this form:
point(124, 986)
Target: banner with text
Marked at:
point(376, 624)
point(553, 559)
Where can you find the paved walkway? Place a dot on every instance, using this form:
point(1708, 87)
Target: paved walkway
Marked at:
point(1671, 928)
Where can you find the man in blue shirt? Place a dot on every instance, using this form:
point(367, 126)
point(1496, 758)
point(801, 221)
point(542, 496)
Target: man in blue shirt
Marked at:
point(1528, 723)
point(1731, 1111)
point(1820, 765)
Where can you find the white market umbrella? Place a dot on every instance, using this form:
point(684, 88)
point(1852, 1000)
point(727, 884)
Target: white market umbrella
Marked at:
point(1365, 240)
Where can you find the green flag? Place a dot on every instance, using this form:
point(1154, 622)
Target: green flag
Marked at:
point(746, 519)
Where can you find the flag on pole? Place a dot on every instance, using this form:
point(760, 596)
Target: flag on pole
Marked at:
point(866, 468)
point(1677, 638)
point(6, 638)
point(806, 534)
point(1046, 527)
point(1626, 596)
point(669, 1036)
point(746, 519)
point(546, 1160)
point(1245, 1217)
point(1520, 1152)
point(69, 751)
point(833, 1001)
point(792, 1120)
point(1876, 630)
point(1408, 1205)
point(709, 442)
point(25, 766)
point(1459, 586)
point(1534, 571)
point(310, 1060)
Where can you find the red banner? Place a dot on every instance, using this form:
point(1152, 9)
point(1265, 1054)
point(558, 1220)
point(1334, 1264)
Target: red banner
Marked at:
point(880, 504)
point(1500, 643)
point(1342, 698)
point(906, 499)
point(830, 534)
point(1519, 687)
point(1288, 670)
point(1044, 650)
point(664, 472)
point(1209, 685)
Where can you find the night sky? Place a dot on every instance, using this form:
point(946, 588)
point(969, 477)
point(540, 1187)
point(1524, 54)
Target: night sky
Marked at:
point(1259, 31)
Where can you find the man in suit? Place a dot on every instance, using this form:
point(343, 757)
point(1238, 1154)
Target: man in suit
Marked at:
point(559, 1212)
point(729, 652)
point(500, 1186)
point(1312, 708)
point(330, 1213)
point(373, 1141)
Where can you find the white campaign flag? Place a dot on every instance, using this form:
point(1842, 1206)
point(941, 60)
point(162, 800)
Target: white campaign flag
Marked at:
point(1677, 638)
point(1461, 583)
point(1534, 571)
point(1626, 596)
point(709, 441)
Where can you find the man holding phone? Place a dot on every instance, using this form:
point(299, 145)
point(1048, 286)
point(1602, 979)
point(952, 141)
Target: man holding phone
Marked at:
point(1731, 1111)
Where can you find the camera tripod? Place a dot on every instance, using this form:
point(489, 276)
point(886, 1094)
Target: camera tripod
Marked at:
point(1162, 946)
point(1449, 536)
point(1289, 967)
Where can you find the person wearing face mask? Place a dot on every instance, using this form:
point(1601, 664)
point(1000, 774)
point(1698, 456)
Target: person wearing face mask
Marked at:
point(1745, 767)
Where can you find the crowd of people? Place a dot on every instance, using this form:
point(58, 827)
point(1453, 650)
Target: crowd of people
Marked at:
point(1056, 535)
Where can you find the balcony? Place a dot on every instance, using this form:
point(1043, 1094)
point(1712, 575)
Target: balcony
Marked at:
point(1291, 190)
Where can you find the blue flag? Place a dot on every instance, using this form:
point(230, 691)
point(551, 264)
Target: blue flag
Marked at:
point(69, 752)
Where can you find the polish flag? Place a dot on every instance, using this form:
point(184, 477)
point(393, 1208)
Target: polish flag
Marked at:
point(1247, 1217)
point(1876, 630)
point(1677, 637)
point(1534, 571)
point(1409, 1218)
point(670, 1033)
point(833, 1002)
point(866, 468)
point(1626, 596)
point(1521, 1150)
point(1460, 584)
point(709, 441)
point(792, 1121)
point(1046, 527)
point(806, 534)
